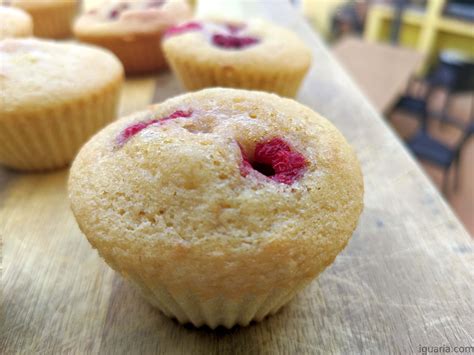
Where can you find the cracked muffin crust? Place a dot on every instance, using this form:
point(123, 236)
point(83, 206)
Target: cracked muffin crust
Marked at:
point(221, 204)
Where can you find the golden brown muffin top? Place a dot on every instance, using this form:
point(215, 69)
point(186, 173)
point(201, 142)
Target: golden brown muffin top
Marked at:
point(254, 43)
point(38, 74)
point(218, 170)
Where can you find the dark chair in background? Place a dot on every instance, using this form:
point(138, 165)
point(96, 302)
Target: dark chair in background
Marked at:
point(348, 18)
point(416, 106)
point(454, 73)
point(426, 147)
point(463, 9)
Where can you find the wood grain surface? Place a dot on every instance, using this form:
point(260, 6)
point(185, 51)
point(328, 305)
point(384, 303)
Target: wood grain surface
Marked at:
point(405, 280)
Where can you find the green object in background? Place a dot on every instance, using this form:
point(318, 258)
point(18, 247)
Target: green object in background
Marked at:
point(429, 32)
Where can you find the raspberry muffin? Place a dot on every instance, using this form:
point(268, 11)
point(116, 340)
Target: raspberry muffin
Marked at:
point(54, 97)
point(51, 18)
point(221, 204)
point(14, 23)
point(132, 30)
point(250, 55)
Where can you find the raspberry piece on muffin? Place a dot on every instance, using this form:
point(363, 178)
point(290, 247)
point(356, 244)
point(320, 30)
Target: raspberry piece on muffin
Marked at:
point(233, 41)
point(249, 55)
point(186, 27)
point(221, 215)
point(275, 159)
point(223, 35)
point(136, 128)
point(132, 30)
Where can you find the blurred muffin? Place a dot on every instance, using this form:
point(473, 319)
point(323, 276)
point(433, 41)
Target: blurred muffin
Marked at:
point(132, 30)
point(250, 55)
point(15, 23)
point(51, 18)
point(221, 204)
point(54, 97)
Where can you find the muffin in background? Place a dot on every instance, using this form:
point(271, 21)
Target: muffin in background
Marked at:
point(54, 97)
point(132, 30)
point(51, 18)
point(219, 205)
point(15, 23)
point(253, 55)
point(192, 3)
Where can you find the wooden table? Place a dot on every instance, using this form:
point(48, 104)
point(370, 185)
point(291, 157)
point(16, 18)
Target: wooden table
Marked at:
point(404, 280)
point(382, 71)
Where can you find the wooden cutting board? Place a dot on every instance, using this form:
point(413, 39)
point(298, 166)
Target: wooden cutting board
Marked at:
point(404, 281)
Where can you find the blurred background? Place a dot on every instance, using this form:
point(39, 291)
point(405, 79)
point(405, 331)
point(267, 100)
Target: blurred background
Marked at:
point(414, 60)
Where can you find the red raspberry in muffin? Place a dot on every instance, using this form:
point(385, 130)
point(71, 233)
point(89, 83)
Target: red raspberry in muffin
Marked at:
point(135, 128)
point(275, 159)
